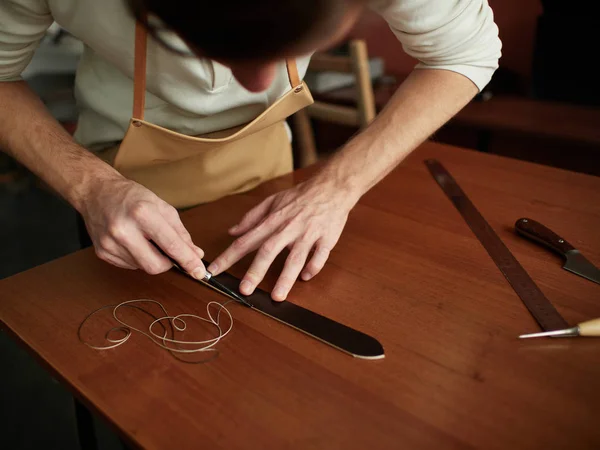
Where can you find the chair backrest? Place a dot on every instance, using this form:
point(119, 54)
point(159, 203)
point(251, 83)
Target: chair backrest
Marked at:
point(357, 63)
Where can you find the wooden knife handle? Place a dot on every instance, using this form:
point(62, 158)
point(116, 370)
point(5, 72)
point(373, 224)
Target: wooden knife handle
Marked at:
point(539, 233)
point(590, 328)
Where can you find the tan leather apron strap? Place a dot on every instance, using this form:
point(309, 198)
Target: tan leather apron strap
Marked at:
point(292, 70)
point(139, 72)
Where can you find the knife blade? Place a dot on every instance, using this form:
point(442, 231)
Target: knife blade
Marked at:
point(575, 262)
point(209, 280)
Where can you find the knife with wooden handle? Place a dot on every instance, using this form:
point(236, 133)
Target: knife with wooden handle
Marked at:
point(574, 261)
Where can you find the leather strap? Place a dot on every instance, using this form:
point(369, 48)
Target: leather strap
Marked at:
point(292, 70)
point(139, 72)
point(335, 334)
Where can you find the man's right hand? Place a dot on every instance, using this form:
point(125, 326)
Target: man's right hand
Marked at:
point(122, 216)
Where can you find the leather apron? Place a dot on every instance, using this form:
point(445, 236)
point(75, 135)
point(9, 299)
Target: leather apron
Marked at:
point(186, 170)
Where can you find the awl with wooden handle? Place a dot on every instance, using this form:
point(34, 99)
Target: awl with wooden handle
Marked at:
point(589, 328)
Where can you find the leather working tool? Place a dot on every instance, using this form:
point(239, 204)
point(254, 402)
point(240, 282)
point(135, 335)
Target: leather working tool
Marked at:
point(588, 328)
point(575, 262)
point(536, 302)
point(330, 332)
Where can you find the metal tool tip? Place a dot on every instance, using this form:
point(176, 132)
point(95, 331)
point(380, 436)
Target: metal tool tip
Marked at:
point(527, 336)
point(567, 332)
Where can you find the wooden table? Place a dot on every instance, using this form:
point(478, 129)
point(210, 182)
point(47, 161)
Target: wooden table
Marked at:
point(505, 113)
point(556, 134)
point(409, 272)
point(543, 119)
point(538, 118)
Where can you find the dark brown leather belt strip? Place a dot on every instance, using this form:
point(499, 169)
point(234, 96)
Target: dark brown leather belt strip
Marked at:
point(333, 333)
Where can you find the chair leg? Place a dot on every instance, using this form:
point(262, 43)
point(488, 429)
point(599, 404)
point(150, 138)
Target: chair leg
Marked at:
point(85, 427)
point(365, 98)
point(305, 138)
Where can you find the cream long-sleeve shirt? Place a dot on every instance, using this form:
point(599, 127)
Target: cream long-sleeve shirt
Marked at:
point(196, 96)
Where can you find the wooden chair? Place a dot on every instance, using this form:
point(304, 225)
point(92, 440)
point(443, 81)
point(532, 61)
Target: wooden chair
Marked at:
point(360, 116)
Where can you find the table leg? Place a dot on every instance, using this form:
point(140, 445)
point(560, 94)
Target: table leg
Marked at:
point(85, 427)
point(484, 138)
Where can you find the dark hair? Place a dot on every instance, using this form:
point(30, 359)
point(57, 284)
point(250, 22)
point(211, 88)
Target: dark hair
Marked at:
point(241, 29)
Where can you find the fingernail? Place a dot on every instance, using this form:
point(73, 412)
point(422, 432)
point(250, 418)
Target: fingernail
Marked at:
point(246, 287)
point(233, 228)
point(213, 268)
point(199, 273)
point(306, 276)
point(279, 294)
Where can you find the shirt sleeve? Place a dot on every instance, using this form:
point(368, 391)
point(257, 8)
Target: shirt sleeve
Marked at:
point(23, 24)
point(456, 35)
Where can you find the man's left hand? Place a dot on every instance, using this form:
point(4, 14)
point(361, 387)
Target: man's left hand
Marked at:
point(307, 219)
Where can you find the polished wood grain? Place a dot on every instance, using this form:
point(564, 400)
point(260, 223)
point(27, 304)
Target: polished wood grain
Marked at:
point(504, 113)
point(408, 271)
point(544, 119)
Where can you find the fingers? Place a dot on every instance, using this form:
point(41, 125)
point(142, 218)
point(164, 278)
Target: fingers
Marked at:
point(129, 244)
point(295, 219)
point(249, 242)
point(172, 217)
point(262, 261)
point(292, 268)
point(146, 256)
point(252, 217)
point(270, 240)
point(294, 264)
point(115, 260)
point(107, 249)
point(132, 238)
point(123, 217)
point(154, 226)
point(177, 248)
point(317, 261)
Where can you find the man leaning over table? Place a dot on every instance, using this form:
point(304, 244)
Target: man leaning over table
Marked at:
point(237, 71)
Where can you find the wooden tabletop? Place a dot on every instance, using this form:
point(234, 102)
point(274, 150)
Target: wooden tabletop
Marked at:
point(409, 272)
point(534, 117)
point(538, 118)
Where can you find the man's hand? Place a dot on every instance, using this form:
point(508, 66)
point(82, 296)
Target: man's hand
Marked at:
point(307, 218)
point(122, 217)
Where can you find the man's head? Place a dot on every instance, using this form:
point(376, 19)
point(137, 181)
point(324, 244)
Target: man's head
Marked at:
point(251, 36)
